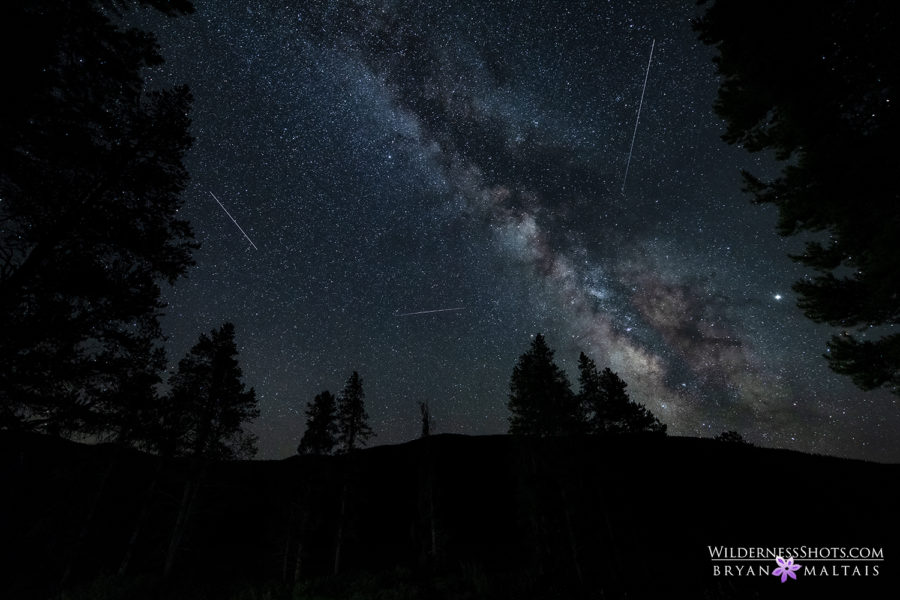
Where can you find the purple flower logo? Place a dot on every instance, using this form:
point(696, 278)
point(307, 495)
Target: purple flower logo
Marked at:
point(785, 568)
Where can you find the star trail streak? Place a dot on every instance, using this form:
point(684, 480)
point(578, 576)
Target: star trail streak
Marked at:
point(428, 312)
point(233, 221)
point(638, 117)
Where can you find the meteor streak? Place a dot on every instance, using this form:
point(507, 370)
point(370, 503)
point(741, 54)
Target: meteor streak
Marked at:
point(638, 118)
point(425, 312)
point(233, 221)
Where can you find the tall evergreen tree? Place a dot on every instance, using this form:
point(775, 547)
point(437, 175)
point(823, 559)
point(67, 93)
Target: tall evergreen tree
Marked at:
point(321, 432)
point(639, 418)
point(613, 411)
point(540, 398)
point(613, 403)
point(818, 87)
point(353, 420)
point(203, 417)
point(91, 173)
point(590, 396)
point(208, 406)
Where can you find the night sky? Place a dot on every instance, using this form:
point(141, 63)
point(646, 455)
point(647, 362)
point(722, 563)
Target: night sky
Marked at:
point(391, 157)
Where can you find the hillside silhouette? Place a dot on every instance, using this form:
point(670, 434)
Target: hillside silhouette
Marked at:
point(446, 516)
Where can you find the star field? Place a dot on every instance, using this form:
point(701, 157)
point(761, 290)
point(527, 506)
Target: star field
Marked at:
point(393, 157)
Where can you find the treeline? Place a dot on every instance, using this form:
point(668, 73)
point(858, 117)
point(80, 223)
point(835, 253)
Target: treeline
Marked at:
point(542, 402)
point(337, 424)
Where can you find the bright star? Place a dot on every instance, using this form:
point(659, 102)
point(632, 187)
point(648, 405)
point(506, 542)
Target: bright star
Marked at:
point(778, 296)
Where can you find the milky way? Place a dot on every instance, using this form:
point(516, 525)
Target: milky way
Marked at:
point(400, 157)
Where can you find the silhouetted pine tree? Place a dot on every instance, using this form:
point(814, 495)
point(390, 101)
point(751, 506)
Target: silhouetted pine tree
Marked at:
point(90, 175)
point(207, 407)
point(816, 87)
point(639, 418)
point(540, 399)
point(613, 403)
point(612, 411)
point(203, 418)
point(353, 420)
point(321, 432)
point(607, 405)
point(590, 396)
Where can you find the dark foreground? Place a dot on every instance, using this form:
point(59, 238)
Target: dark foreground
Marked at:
point(447, 517)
